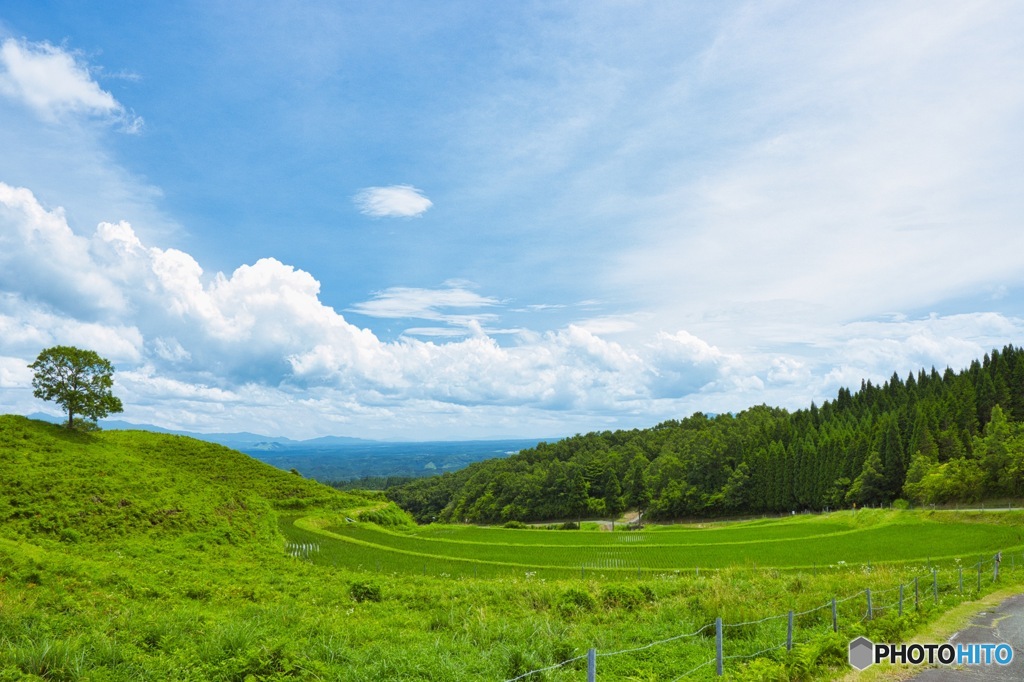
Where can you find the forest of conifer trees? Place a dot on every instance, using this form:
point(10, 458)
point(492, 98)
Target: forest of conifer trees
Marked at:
point(929, 438)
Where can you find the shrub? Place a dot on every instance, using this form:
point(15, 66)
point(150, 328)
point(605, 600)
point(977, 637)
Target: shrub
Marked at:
point(70, 535)
point(391, 516)
point(621, 596)
point(364, 591)
point(575, 600)
point(514, 524)
point(647, 593)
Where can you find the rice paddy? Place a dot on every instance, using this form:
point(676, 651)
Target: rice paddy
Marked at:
point(810, 542)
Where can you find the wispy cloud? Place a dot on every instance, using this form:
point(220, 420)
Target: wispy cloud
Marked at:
point(871, 161)
point(395, 201)
point(55, 83)
point(424, 304)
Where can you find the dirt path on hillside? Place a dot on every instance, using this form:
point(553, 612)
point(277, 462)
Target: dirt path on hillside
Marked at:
point(625, 519)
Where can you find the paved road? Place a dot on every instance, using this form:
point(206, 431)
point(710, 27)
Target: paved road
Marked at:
point(1004, 623)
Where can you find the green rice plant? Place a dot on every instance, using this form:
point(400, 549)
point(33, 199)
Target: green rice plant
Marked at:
point(887, 539)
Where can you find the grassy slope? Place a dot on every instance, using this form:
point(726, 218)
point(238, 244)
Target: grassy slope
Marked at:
point(134, 556)
point(71, 486)
point(117, 548)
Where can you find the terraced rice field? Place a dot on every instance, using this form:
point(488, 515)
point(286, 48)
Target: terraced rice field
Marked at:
point(866, 538)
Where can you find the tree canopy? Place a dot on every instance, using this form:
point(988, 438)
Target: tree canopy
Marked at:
point(928, 438)
point(78, 380)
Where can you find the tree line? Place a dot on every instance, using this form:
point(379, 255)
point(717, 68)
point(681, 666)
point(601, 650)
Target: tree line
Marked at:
point(929, 438)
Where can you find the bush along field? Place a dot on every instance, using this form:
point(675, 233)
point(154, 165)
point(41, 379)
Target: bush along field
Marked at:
point(139, 556)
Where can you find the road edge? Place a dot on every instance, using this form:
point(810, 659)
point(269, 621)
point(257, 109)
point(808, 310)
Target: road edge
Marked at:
point(951, 622)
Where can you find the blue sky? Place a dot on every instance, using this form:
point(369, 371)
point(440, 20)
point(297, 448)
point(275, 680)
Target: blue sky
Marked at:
point(462, 219)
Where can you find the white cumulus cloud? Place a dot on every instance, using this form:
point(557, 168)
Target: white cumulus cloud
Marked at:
point(256, 349)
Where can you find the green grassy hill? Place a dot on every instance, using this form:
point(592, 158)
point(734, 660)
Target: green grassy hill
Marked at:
point(72, 486)
point(132, 555)
point(141, 556)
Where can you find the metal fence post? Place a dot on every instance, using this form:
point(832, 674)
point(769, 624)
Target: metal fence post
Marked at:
point(718, 646)
point(835, 616)
point(870, 617)
point(789, 632)
point(917, 595)
point(960, 578)
point(979, 576)
point(901, 599)
point(592, 665)
point(935, 585)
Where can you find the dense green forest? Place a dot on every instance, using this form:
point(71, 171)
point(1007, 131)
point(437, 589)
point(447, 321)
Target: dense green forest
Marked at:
point(930, 438)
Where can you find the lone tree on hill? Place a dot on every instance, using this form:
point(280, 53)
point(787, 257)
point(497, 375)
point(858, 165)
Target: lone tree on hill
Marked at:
point(77, 380)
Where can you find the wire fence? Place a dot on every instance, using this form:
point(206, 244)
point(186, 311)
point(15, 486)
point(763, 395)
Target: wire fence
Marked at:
point(861, 606)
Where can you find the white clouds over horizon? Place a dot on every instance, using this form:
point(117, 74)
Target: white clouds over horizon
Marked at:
point(251, 344)
point(159, 315)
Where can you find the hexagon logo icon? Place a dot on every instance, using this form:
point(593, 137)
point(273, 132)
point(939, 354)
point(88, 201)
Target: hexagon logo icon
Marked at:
point(862, 653)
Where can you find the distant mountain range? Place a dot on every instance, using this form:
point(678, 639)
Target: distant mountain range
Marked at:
point(242, 440)
point(338, 458)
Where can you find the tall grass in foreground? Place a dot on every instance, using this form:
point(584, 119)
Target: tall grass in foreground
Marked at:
point(225, 613)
